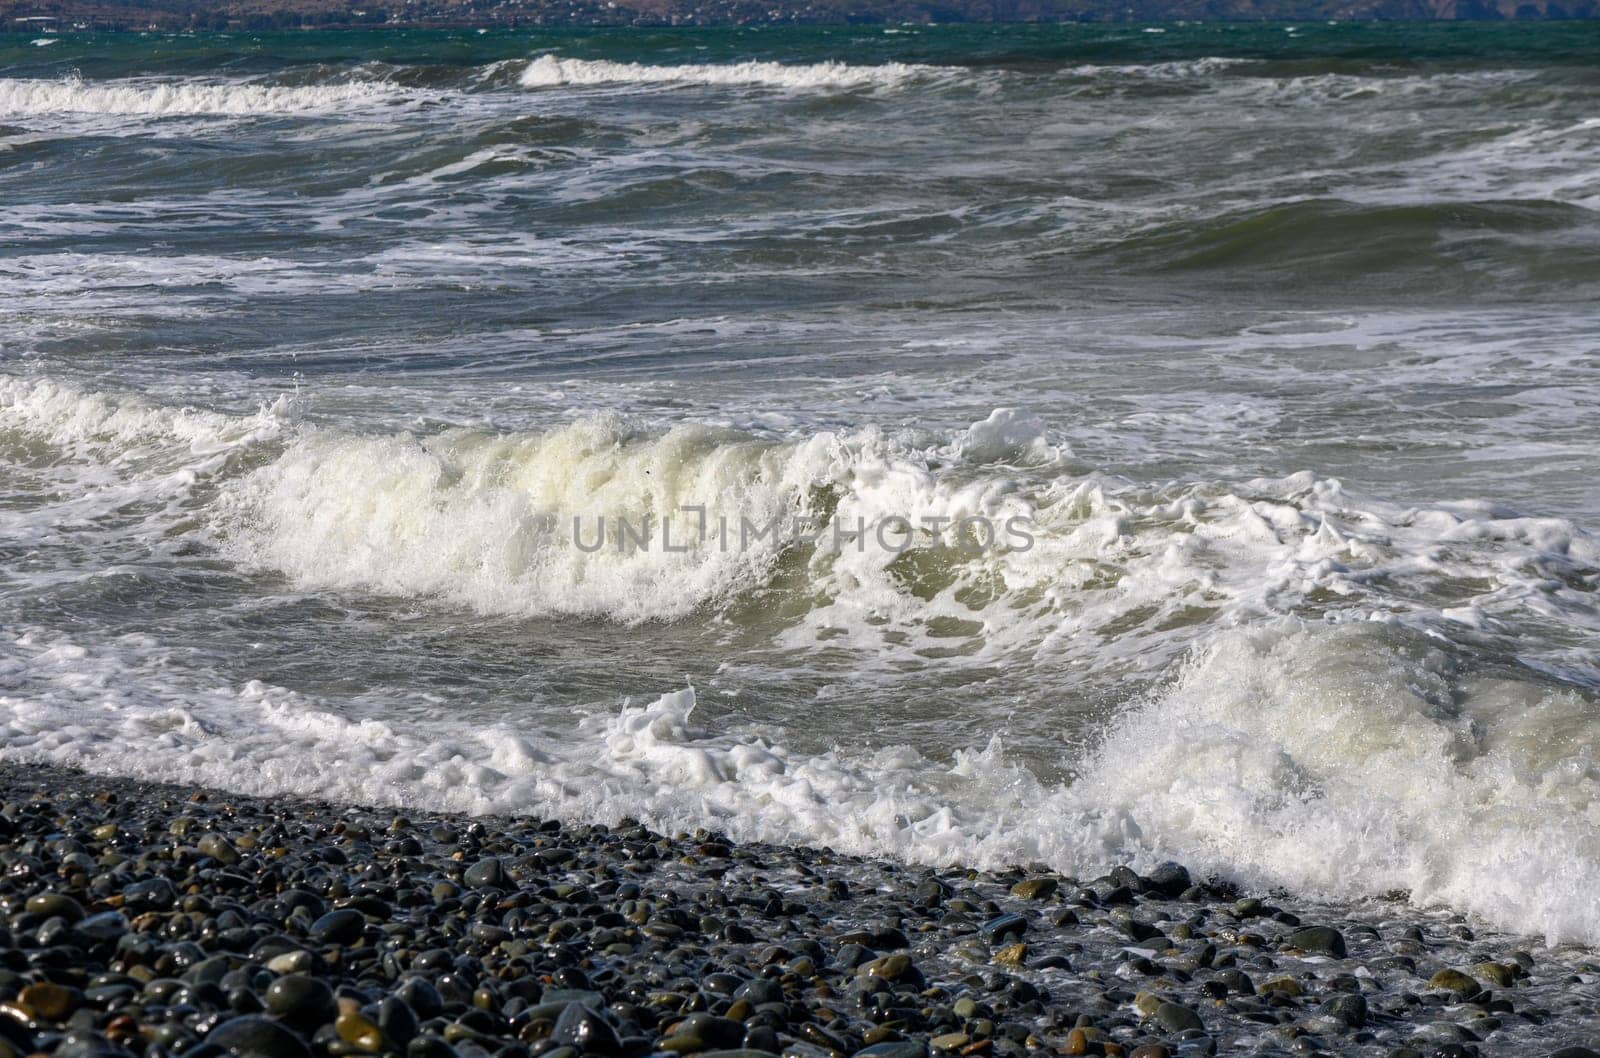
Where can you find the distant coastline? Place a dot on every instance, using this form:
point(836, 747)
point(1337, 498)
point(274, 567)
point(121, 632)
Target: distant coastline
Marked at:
point(45, 16)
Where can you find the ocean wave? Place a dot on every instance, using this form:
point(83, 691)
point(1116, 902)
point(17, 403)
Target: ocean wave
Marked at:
point(1108, 570)
point(484, 520)
point(20, 97)
point(1362, 760)
point(1497, 246)
point(1103, 571)
point(549, 71)
point(1367, 698)
point(1345, 762)
point(1180, 69)
point(101, 429)
point(115, 466)
point(1323, 87)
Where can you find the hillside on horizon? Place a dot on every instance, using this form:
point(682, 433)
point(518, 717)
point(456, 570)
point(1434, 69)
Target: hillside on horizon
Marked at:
point(45, 15)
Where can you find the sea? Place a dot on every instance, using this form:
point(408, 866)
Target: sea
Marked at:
point(982, 445)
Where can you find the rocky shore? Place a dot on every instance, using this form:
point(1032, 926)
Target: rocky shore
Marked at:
point(148, 920)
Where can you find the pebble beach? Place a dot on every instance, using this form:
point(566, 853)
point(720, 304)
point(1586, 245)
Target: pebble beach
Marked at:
point(151, 920)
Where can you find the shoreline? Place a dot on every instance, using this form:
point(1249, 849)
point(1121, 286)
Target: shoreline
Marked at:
point(150, 919)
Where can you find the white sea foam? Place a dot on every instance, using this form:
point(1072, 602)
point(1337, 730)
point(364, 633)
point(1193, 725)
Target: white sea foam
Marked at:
point(21, 97)
point(550, 71)
point(1352, 717)
point(1182, 69)
point(188, 284)
point(93, 463)
point(1359, 760)
point(96, 427)
point(1105, 569)
point(487, 521)
point(1344, 762)
point(1008, 434)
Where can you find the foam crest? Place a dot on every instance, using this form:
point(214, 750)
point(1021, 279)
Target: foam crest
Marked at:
point(1360, 760)
point(1183, 69)
point(599, 518)
point(95, 427)
point(21, 97)
point(92, 463)
point(1117, 575)
point(551, 522)
point(1345, 762)
point(1342, 761)
point(1375, 697)
point(550, 71)
point(1056, 567)
point(519, 523)
point(1008, 435)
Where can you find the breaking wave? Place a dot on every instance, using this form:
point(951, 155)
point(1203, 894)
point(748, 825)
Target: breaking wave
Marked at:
point(1364, 698)
point(20, 97)
point(549, 71)
point(1344, 762)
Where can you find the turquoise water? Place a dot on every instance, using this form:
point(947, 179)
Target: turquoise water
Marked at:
point(1399, 45)
point(1280, 341)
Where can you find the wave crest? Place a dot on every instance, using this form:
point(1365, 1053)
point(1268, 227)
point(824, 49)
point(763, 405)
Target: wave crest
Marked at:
point(1342, 762)
point(550, 71)
point(27, 96)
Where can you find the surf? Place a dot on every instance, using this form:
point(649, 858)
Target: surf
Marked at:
point(25, 97)
point(551, 71)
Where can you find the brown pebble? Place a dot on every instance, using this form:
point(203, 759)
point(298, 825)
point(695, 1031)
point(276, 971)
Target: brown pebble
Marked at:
point(52, 1002)
point(359, 1033)
point(1034, 888)
point(1012, 955)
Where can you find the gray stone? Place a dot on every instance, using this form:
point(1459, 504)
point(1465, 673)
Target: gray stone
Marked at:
point(1319, 940)
point(582, 1028)
point(1005, 926)
point(254, 1036)
point(1352, 1008)
point(396, 1021)
point(1175, 1018)
point(760, 990)
point(106, 926)
point(433, 1047)
point(84, 1044)
point(486, 873)
point(1169, 879)
point(895, 1049)
point(339, 927)
point(302, 1002)
point(55, 905)
point(218, 848)
point(420, 995)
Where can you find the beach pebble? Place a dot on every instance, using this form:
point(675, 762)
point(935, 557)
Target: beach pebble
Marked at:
point(257, 1037)
point(1319, 940)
